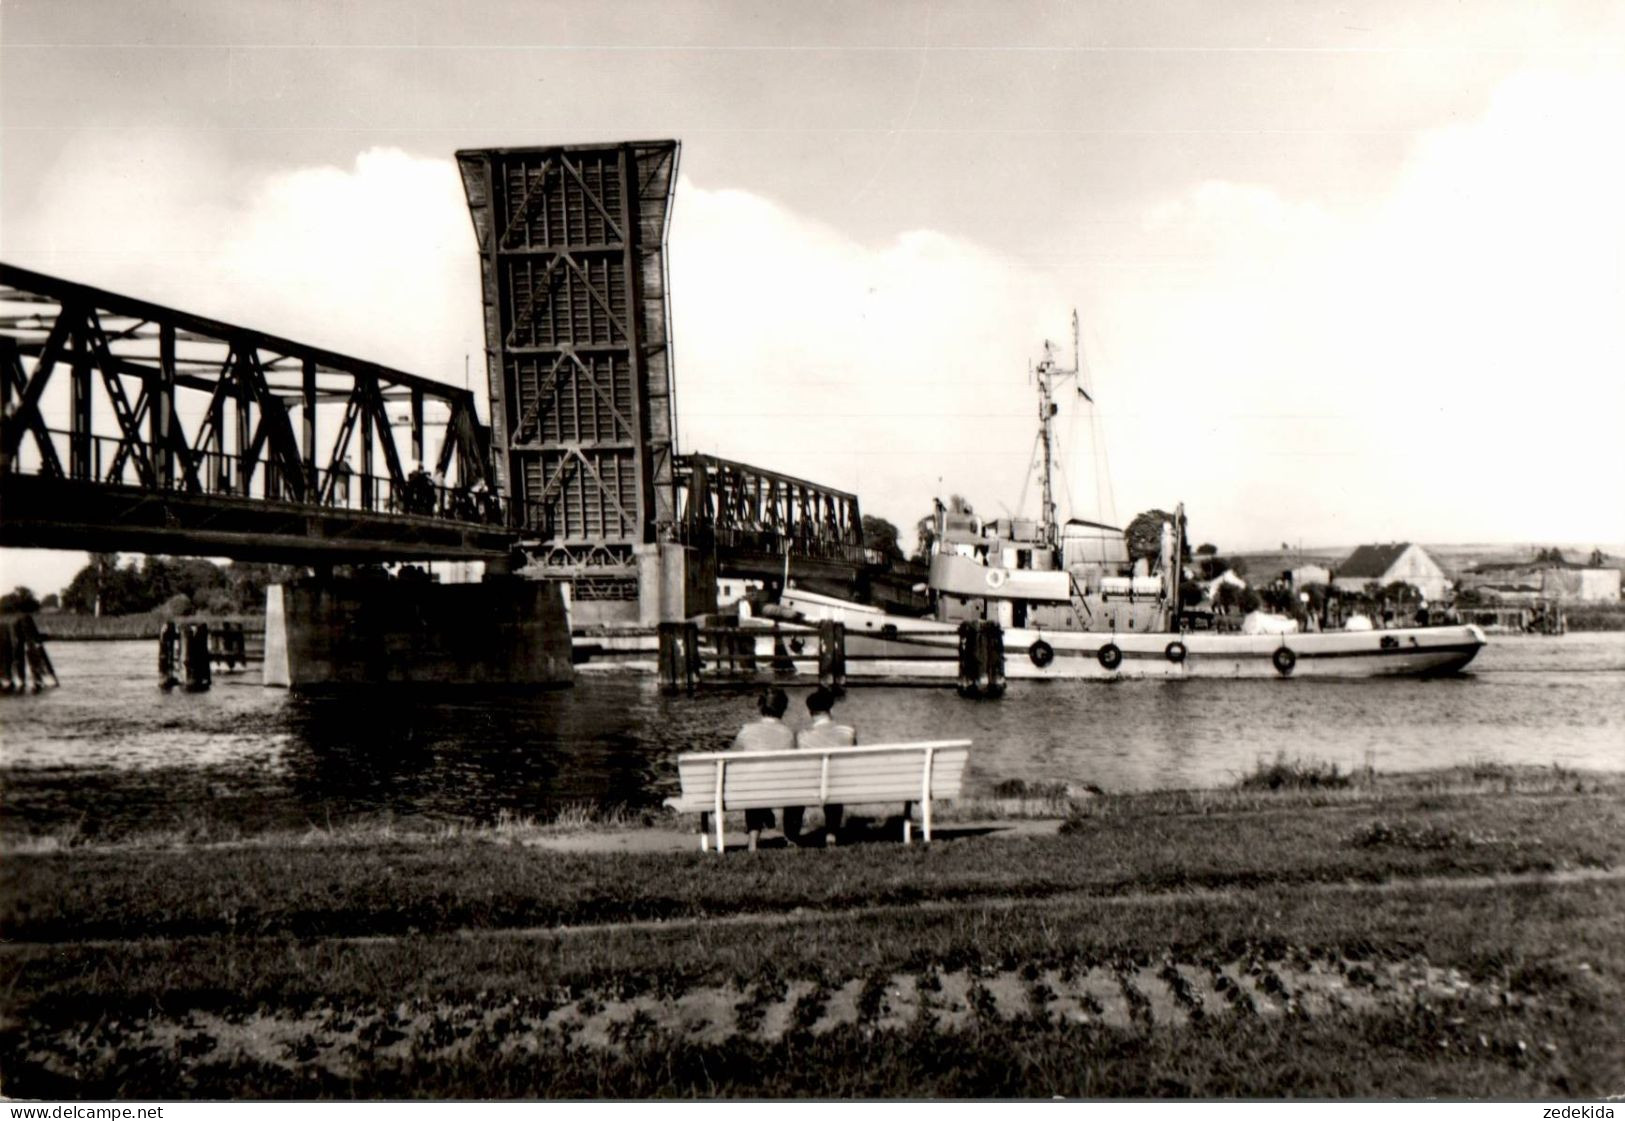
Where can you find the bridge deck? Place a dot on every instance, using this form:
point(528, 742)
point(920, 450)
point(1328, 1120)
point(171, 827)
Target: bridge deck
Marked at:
point(45, 513)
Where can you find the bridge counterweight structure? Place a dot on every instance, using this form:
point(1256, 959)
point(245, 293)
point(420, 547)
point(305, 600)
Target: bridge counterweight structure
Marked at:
point(572, 255)
point(292, 454)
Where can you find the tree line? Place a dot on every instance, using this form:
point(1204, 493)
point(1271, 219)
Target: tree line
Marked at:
point(175, 585)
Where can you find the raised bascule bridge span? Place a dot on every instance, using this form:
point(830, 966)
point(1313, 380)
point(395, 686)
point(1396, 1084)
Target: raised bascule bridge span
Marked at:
point(572, 244)
point(130, 426)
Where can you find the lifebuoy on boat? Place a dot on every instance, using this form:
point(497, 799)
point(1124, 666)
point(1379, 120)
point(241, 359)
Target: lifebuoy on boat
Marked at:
point(1110, 656)
point(1041, 653)
point(1175, 652)
point(996, 578)
point(1285, 660)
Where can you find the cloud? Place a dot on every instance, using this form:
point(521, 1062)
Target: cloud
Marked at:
point(1443, 363)
point(877, 369)
point(1444, 360)
point(375, 259)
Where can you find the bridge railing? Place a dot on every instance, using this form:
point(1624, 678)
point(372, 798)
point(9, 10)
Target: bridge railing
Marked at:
point(770, 541)
point(221, 475)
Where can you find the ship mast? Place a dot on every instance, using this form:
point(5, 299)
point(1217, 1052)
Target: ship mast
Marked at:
point(1048, 375)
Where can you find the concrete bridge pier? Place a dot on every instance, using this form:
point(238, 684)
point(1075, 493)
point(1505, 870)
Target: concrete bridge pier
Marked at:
point(674, 583)
point(504, 631)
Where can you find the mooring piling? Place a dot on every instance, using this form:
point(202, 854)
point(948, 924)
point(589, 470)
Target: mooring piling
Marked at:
point(197, 666)
point(832, 654)
point(679, 657)
point(981, 658)
point(700, 652)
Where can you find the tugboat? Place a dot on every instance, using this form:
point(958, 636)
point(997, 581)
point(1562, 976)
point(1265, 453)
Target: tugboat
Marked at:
point(1072, 604)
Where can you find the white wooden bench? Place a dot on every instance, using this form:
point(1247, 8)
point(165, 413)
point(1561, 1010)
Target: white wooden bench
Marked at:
point(717, 781)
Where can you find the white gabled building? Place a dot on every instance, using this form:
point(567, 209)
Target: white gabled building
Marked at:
point(1307, 574)
point(1384, 564)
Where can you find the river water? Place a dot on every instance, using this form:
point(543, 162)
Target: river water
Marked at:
point(109, 752)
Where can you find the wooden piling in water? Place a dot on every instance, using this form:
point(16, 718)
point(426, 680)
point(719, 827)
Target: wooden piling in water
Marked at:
point(23, 656)
point(228, 644)
point(981, 658)
point(198, 666)
point(679, 657)
point(832, 654)
point(669, 658)
point(169, 656)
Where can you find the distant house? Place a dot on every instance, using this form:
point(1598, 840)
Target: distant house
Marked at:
point(1588, 585)
point(1384, 564)
point(1533, 582)
point(1228, 576)
point(1306, 574)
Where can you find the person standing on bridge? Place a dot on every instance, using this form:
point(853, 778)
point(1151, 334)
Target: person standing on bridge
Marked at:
point(823, 732)
point(420, 492)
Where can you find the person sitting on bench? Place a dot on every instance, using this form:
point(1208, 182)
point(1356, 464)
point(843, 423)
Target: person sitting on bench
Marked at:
point(822, 732)
point(770, 733)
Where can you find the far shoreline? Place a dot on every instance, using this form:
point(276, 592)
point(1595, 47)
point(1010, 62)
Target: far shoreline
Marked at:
point(56, 626)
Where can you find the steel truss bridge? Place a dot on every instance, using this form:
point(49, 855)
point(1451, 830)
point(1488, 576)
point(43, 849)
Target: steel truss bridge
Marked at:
point(132, 426)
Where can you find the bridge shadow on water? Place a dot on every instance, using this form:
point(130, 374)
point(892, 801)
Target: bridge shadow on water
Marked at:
point(466, 756)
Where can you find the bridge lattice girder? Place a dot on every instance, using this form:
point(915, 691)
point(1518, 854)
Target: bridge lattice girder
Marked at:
point(131, 425)
point(754, 519)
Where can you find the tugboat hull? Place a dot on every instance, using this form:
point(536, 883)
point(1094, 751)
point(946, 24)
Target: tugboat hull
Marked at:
point(886, 646)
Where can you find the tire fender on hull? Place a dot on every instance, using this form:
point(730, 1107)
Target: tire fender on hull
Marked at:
point(1285, 661)
point(1110, 656)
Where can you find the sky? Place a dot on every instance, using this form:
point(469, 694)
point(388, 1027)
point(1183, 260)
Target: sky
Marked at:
point(1345, 272)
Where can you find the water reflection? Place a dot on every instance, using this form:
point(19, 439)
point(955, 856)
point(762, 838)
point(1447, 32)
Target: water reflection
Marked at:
point(109, 752)
point(471, 758)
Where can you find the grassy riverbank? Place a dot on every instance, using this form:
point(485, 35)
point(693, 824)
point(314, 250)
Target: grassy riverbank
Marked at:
point(1455, 934)
point(59, 626)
